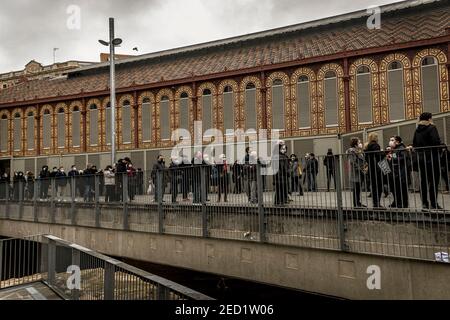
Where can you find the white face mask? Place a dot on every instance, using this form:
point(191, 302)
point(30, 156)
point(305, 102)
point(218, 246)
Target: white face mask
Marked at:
point(360, 146)
point(392, 144)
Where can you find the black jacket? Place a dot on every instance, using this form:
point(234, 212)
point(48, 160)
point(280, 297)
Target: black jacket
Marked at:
point(426, 140)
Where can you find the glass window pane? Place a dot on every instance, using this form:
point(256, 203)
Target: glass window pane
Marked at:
point(126, 124)
point(30, 133)
point(331, 102)
point(108, 126)
point(94, 127)
point(61, 130)
point(4, 135)
point(184, 114)
point(76, 136)
point(250, 109)
point(165, 120)
point(430, 85)
point(303, 105)
point(46, 128)
point(228, 112)
point(17, 134)
point(364, 102)
point(147, 122)
point(396, 96)
point(278, 107)
point(207, 112)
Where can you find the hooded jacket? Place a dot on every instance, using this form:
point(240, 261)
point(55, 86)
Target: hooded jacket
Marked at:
point(427, 136)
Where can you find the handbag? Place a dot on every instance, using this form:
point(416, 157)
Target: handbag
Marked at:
point(384, 166)
point(151, 189)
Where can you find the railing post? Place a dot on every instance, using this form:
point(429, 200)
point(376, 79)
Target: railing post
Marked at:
point(73, 193)
point(76, 262)
point(125, 200)
point(203, 197)
point(51, 261)
point(21, 189)
point(97, 200)
point(1, 260)
point(260, 195)
point(160, 196)
point(340, 212)
point(109, 282)
point(52, 200)
point(35, 195)
point(163, 292)
point(7, 199)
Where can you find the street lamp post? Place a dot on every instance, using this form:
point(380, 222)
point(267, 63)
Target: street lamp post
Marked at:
point(113, 42)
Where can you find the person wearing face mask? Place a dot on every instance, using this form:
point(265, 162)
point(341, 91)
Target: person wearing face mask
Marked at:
point(398, 177)
point(428, 147)
point(158, 169)
point(312, 170)
point(357, 168)
point(281, 181)
point(73, 173)
point(61, 182)
point(44, 179)
point(374, 156)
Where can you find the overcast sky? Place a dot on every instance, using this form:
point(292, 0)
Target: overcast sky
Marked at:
point(30, 29)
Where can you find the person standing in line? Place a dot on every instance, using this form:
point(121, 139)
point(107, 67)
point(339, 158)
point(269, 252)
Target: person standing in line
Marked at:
point(222, 169)
point(281, 162)
point(159, 169)
point(73, 174)
point(398, 159)
point(329, 164)
point(44, 180)
point(444, 169)
point(356, 164)
point(374, 156)
point(61, 183)
point(312, 170)
point(110, 182)
point(427, 143)
point(174, 173)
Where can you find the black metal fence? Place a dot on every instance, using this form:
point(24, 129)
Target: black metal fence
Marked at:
point(392, 203)
point(78, 273)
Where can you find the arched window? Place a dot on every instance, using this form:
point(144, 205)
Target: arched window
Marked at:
point(430, 85)
point(364, 97)
point(303, 103)
point(61, 128)
point(278, 104)
point(207, 110)
point(47, 130)
point(165, 118)
point(108, 124)
point(126, 122)
point(228, 109)
point(331, 99)
point(30, 131)
point(17, 132)
point(4, 133)
point(396, 94)
point(93, 125)
point(146, 120)
point(76, 129)
point(250, 107)
point(185, 122)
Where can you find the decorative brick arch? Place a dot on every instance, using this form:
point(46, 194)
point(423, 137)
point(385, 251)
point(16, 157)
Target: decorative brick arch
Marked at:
point(320, 127)
point(98, 104)
point(407, 86)
point(164, 93)
point(72, 106)
point(66, 127)
point(119, 125)
point(211, 86)
point(296, 131)
point(287, 101)
point(190, 94)
point(44, 109)
point(22, 142)
point(235, 87)
point(28, 151)
point(259, 112)
point(142, 96)
point(441, 58)
point(8, 130)
point(374, 88)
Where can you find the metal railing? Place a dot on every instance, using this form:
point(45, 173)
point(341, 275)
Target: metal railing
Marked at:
point(391, 203)
point(78, 273)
